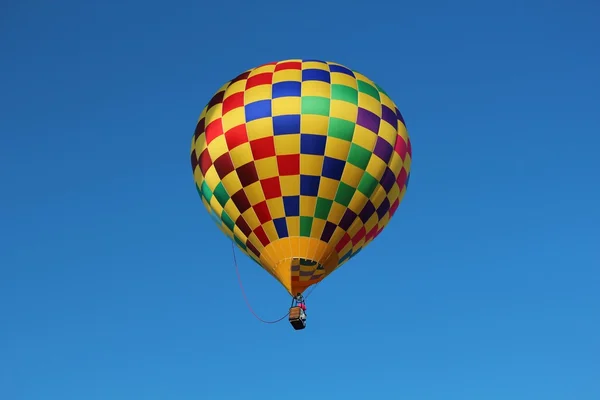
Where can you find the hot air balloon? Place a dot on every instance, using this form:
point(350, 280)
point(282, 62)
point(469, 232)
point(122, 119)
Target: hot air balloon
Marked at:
point(302, 163)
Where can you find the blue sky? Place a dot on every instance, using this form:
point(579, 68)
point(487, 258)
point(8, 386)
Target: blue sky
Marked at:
point(117, 285)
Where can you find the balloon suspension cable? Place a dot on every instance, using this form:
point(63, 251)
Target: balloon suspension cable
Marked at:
point(237, 270)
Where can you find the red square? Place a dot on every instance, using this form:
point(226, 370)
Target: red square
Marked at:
point(401, 181)
point(263, 148)
point(224, 165)
point(236, 136)
point(400, 146)
point(262, 236)
point(271, 187)
point(243, 225)
point(359, 235)
point(394, 207)
point(342, 243)
point(262, 212)
point(199, 128)
point(289, 164)
point(214, 130)
point(288, 65)
point(247, 174)
point(205, 161)
point(260, 79)
point(232, 102)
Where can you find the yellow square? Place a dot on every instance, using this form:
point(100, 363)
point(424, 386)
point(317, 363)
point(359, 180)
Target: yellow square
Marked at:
point(217, 147)
point(363, 78)
point(359, 245)
point(251, 219)
point(384, 221)
point(346, 249)
point(393, 194)
point(286, 105)
point(233, 118)
point(318, 225)
point(315, 124)
point(328, 187)
point(257, 93)
point(212, 178)
point(376, 167)
point(262, 69)
point(339, 78)
point(202, 114)
point(355, 227)
point(337, 148)
point(276, 208)
point(236, 87)
point(232, 210)
point(315, 65)
point(287, 75)
point(214, 113)
point(387, 132)
point(407, 162)
point(378, 196)
point(352, 175)
point(308, 205)
point(232, 183)
point(287, 144)
point(266, 168)
point(293, 226)
point(254, 193)
point(200, 144)
point(198, 177)
point(385, 100)
point(270, 230)
point(216, 206)
point(402, 131)
point(290, 185)
point(316, 88)
point(396, 164)
point(259, 128)
point(336, 213)
point(338, 234)
point(238, 232)
point(311, 164)
point(241, 155)
point(358, 202)
point(364, 138)
point(371, 222)
point(369, 103)
point(343, 110)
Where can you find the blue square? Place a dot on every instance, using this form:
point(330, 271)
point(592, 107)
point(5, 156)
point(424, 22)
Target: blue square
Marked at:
point(341, 69)
point(286, 124)
point(309, 185)
point(287, 89)
point(315, 75)
point(291, 204)
point(281, 227)
point(257, 110)
point(333, 168)
point(312, 144)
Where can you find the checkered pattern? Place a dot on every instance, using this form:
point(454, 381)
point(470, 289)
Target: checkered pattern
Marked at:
point(301, 160)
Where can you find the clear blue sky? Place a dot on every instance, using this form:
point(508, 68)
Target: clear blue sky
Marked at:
point(117, 285)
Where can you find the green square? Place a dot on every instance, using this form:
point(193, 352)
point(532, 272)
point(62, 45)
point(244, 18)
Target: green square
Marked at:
point(367, 88)
point(238, 241)
point(344, 93)
point(221, 194)
point(315, 105)
point(344, 194)
point(206, 192)
point(341, 129)
point(358, 156)
point(227, 220)
point(305, 226)
point(367, 184)
point(322, 208)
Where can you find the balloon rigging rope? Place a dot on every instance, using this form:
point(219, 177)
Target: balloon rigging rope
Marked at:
point(237, 270)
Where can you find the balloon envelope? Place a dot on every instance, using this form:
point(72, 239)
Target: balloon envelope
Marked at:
point(302, 163)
